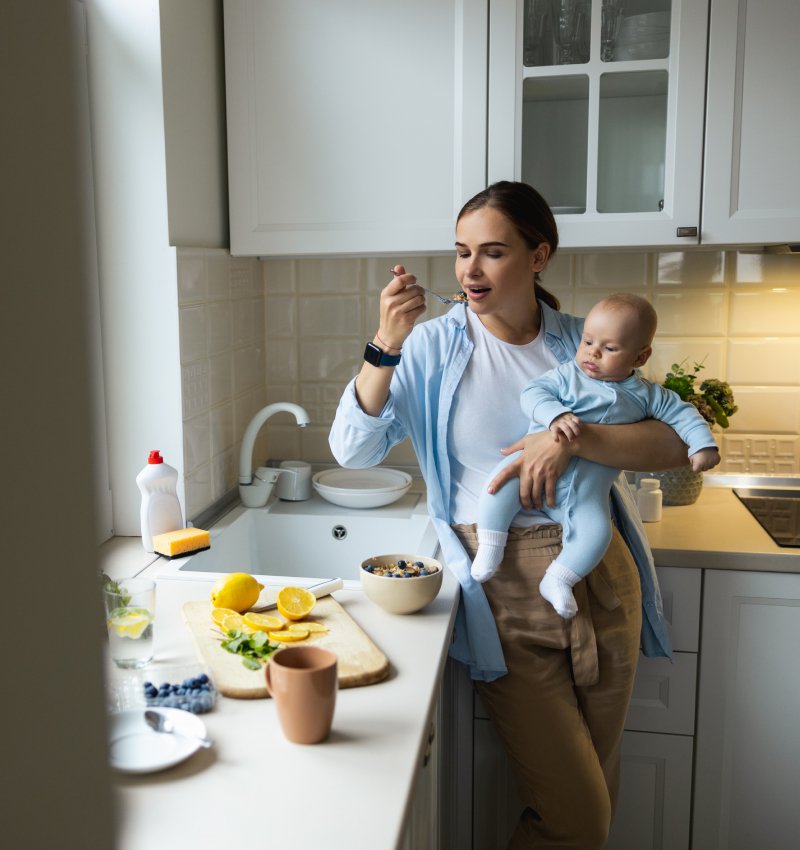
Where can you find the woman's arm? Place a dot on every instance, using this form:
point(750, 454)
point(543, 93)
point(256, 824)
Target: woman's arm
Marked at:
point(645, 446)
point(401, 305)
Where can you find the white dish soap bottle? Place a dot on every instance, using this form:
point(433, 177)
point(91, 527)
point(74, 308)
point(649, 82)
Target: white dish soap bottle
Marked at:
point(161, 509)
point(649, 499)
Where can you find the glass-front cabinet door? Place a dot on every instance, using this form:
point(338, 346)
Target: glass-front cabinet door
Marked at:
point(599, 105)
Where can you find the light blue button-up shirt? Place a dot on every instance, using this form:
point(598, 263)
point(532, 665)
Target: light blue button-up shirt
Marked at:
point(421, 395)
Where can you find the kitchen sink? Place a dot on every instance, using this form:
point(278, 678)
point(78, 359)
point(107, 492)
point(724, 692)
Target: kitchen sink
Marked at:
point(300, 542)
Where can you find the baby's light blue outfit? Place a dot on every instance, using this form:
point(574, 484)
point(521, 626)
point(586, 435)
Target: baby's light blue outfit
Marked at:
point(421, 397)
point(582, 507)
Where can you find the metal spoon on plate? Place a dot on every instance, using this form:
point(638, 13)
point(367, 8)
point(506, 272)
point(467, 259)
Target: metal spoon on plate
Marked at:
point(161, 723)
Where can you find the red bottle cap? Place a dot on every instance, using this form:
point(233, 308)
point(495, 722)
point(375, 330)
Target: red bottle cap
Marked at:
point(155, 457)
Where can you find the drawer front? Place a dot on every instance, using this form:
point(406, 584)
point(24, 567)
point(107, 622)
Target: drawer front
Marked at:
point(664, 695)
point(680, 592)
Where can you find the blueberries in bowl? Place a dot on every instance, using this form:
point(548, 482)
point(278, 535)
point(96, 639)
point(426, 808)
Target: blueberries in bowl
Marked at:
point(195, 694)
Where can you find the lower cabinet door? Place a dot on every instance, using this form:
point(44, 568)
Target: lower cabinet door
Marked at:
point(654, 807)
point(497, 805)
point(748, 744)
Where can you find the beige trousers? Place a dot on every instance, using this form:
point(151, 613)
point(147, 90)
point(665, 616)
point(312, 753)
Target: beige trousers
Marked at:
point(561, 708)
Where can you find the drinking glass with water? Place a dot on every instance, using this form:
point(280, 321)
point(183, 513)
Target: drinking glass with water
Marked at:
point(130, 607)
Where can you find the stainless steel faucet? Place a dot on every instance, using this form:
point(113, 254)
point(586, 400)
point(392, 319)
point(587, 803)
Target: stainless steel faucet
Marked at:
point(255, 488)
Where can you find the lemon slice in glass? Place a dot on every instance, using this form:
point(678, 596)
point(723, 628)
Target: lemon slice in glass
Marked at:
point(129, 622)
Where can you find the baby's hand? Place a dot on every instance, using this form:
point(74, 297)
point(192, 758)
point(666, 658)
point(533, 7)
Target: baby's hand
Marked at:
point(567, 426)
point(704, 459)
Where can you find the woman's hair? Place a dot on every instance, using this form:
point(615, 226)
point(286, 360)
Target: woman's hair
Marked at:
point(528, 211)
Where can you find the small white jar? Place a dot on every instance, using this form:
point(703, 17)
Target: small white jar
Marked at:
point(649, 498)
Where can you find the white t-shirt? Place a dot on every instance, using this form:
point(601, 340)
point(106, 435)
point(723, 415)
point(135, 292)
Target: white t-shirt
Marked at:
point(486, 415)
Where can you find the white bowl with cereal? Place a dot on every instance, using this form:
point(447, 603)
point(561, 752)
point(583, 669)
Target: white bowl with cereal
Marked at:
point(401, 583)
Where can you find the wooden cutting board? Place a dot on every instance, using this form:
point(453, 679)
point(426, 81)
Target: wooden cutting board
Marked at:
point(360, 661)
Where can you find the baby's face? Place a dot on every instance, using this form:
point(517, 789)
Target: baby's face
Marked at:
point(611, 345)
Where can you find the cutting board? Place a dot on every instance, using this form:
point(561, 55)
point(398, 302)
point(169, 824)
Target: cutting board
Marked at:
point(360, 662)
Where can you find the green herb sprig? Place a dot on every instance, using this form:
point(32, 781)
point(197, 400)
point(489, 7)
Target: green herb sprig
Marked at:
point(123, 597)
point(255, 649)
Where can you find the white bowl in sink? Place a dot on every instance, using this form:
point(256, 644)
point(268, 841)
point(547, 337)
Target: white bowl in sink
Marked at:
point(361, 488)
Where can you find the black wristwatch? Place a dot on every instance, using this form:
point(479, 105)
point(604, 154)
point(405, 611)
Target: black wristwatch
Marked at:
point(377, 357)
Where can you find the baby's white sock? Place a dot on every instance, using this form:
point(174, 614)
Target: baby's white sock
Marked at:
point(556, 588)
point(491, 545)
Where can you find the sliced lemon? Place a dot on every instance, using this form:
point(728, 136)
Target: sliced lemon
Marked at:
point(263, 622)
point(234, 623)
point(219, 614)
point(238, 591)
point(307, 626)
point(295, 602)
point(129, 622)
point(286, 636)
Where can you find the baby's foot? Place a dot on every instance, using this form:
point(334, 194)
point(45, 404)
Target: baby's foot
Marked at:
point(556, 587)
point(491, 545)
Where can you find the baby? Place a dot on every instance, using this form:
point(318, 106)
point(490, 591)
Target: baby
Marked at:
point(601, 385)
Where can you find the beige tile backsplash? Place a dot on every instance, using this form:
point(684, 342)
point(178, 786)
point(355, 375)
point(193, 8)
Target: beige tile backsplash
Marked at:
point(255, 332)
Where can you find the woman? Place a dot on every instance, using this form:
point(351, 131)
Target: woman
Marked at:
point(557, 690)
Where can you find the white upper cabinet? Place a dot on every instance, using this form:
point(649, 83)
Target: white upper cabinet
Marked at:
point(751, 184)
point(355, 126)
point(599, 104)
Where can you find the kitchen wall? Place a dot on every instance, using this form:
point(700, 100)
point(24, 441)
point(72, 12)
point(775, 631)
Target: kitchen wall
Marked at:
point(294, 330)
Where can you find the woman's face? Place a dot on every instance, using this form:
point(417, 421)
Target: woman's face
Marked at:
point(494, 265)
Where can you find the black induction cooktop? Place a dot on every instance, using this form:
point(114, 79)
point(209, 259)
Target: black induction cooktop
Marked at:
point(777, 511)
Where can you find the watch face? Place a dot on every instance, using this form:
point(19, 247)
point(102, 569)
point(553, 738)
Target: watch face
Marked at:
point(375, 357)
point(372, 354)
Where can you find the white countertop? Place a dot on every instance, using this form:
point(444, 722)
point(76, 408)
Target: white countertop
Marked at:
point(717, 532)
point(255, 789)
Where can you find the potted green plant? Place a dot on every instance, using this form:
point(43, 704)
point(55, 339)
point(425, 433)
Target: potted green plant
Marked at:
point(714, 400)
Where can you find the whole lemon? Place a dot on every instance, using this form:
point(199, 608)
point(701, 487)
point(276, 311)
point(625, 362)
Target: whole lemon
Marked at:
point(237, 591)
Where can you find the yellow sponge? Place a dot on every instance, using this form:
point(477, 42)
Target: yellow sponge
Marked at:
point(178, 544)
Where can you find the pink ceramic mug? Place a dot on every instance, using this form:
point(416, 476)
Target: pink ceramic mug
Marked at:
point(303, 682)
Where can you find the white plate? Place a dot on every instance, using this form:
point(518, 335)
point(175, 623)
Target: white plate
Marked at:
point(136, 748)
point(361, 488)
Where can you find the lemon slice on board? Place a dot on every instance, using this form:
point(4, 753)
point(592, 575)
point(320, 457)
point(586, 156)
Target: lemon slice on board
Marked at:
point(235, 623)
point(307, 626)
point(219, 614)
point(263, 622)
point(289, 637)
point(295, 602)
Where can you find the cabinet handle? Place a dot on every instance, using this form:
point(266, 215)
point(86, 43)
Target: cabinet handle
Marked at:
point(687, 231)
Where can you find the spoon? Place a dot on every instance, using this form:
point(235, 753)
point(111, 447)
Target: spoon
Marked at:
point(161, 723)
point(431, 292)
